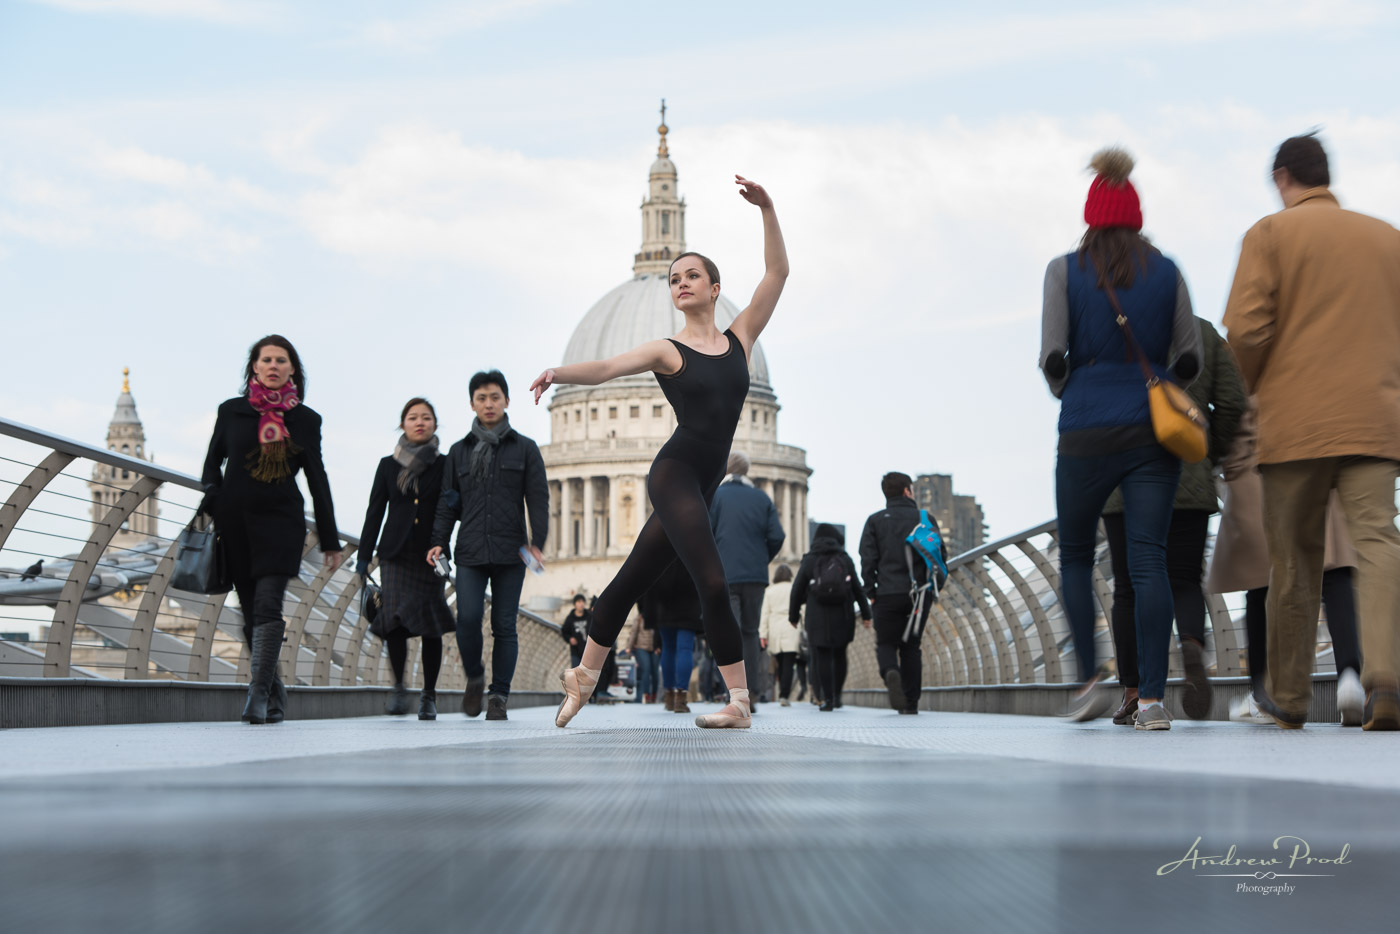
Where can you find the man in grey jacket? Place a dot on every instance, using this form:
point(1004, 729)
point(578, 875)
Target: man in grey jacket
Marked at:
point(749, 535)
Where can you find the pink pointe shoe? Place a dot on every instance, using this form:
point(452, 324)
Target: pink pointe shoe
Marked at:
point(578, 684)
point(739, 719)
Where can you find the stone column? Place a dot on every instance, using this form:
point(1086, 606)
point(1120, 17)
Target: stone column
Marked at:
point(614, 518)
point(802, 516)
point(566, 518)
point(590, 523)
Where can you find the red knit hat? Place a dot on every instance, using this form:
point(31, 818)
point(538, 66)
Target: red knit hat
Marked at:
point(1112, 201)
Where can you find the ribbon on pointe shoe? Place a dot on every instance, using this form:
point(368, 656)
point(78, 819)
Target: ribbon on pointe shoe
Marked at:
point(739, 700)
point(578, 684)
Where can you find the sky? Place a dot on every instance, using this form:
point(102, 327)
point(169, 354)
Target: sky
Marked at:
point(415, 191)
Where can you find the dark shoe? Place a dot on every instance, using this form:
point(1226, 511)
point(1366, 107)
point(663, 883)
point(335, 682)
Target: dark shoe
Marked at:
point(1382, 710)
point(398, 703)
point(909, 710)
point(1286, 721)
point(471, 697)
point(496, 707)
point(277, 700)
point(1090, 705)
point(427, 705)
point(895, 685)
point(827, 707)
point(1123, 716)
point(267, 644)
point(1195, 699)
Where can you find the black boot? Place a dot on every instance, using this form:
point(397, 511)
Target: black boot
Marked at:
point(276, 699)
point(267, 644)
point(398, 703)
point(427, 705)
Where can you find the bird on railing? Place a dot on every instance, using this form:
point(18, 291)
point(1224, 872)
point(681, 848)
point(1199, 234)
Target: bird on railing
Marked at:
point(33, 571)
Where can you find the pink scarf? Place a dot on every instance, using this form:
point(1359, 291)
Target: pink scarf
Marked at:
point(271, 463)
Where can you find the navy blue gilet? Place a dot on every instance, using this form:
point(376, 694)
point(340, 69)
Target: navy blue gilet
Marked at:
point(1105, 387)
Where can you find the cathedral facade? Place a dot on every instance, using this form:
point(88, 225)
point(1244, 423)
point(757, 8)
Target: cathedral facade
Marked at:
point(603, 438)
point(125, 435)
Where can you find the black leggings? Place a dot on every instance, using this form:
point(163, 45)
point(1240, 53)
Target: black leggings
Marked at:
point(787, 661)
point(831, 672)
point(397, 643)
point(679, 527)
point(1339, 599)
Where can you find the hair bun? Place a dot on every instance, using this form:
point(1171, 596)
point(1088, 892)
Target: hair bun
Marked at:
point(1112, 163)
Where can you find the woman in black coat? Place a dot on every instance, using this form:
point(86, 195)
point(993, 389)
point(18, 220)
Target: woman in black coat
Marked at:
point(408, 483)
point(262, 437)
point(828, 585)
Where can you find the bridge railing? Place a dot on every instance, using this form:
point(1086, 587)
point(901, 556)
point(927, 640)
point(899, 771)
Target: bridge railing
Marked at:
point(101, 606)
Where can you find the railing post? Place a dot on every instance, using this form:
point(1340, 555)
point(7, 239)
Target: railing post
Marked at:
point(23, 495)
point(138, 650)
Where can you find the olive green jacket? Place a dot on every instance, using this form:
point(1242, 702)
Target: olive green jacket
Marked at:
point(1220, 391)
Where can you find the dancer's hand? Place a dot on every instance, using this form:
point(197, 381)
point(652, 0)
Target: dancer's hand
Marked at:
point(753, 192)
point(541, 383)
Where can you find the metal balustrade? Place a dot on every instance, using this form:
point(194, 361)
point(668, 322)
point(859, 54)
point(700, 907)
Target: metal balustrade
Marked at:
point(103, 608)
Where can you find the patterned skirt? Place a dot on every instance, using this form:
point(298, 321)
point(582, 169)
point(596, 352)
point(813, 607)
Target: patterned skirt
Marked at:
point(414, 600)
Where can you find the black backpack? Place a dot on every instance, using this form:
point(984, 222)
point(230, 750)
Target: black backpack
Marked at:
point(831, 584)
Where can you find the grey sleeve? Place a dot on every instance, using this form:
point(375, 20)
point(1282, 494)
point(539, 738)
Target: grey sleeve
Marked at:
point(1187, 352)
point(1054, 326)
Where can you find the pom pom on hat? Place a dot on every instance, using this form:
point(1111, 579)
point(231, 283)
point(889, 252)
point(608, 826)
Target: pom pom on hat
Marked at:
point(1112, 201)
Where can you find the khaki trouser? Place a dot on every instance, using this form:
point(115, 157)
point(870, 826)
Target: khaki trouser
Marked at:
point(1295, 521)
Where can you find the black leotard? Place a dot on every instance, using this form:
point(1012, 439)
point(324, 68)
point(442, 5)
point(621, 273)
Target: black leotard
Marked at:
point(708, 394)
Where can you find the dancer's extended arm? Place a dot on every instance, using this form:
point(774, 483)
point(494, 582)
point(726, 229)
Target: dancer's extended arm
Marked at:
point(753, 319)
point(661, 356)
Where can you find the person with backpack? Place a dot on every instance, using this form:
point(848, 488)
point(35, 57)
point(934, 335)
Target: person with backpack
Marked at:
point(902, 585)
point(827, 585)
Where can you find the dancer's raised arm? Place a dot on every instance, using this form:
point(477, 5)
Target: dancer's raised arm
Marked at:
point(661, 356)
point(753, 319)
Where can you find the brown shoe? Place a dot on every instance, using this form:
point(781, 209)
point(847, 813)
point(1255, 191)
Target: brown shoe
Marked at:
point(1125, 713)
point(1195, 700)
point(670, 699)
point(679, 705)
point(1382, 710)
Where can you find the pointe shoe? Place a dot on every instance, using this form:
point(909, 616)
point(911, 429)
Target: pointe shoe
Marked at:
point(578, 687)
point(739, 719)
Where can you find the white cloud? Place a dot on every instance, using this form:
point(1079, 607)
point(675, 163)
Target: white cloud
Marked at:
point(415, 31)
point(223, 12)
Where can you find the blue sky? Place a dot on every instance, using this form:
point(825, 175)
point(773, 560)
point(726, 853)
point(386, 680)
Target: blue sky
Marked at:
point(414, 191)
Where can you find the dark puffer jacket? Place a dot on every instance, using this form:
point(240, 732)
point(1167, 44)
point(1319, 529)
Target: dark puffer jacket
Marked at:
point(829, 626)
point(493, 513)
point(884, 562)
point(1220, 391)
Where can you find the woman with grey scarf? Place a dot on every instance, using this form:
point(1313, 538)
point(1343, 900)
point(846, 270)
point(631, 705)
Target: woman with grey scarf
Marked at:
point(408, 483)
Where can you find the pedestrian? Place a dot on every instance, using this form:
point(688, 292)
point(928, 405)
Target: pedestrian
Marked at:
point(574, 629)
point(262, 438)
point(645, 650)
point(407, 484)
point(1240, 562)
point(672, 605)
point(1219, 391)
point(1106, 436)
point(493, 476)
point(824, 598)
point(748, 535)
point(1314, 319)
point(705, 375)
point(894, 578)
point(777, 634)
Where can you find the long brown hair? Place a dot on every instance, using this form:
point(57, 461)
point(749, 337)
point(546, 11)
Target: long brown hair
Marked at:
point(1117, 253)
point(275, 340)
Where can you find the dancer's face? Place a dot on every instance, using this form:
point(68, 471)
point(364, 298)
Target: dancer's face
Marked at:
point(691, 289)
point(490, 404)
point(419, 424)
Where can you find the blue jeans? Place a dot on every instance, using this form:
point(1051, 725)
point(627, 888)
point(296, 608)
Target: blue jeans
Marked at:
point(1148, 477)
point(677, 658)
point(648, 672)
point(506, 581)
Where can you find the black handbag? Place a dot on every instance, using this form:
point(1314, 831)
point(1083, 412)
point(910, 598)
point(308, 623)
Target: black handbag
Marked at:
point(371, 600)
point(200, 563)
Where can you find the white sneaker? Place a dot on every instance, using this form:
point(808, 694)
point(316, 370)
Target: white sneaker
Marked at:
point(1351, 699)
point(1246, 710)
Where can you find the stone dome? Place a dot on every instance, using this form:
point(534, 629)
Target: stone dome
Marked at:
point(640, 310)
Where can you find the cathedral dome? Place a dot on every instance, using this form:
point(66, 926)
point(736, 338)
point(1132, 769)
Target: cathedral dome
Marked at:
point(640, 310)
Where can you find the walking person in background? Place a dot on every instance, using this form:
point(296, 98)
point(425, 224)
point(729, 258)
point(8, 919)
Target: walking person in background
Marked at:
point(1314, 319)
point(825, 596)
point(642, 644)
point(407, 484)
point(262, 438)
point(777, 634)
point(704, 373)
point(748, 535)
point(492, 477)
point(1219, 391)
point(893, 576)
point(1106, 435)
point(574, 629)
point(1240, 562)
point(673, 607)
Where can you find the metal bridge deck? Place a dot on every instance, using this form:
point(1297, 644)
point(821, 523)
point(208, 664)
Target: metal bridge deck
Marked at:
point(635, 821)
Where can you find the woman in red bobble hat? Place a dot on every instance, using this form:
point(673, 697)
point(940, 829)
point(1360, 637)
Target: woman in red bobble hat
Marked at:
point(1106, 436)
